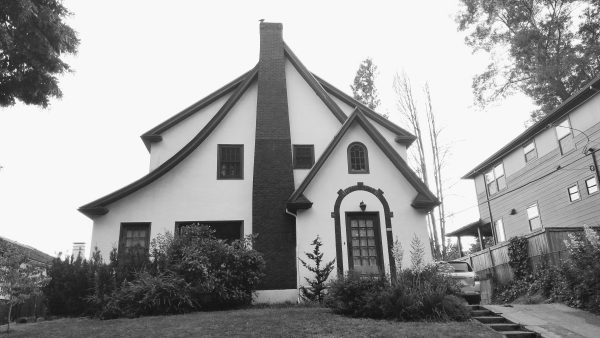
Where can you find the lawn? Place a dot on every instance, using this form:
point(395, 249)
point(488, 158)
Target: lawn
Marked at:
point(254, 322)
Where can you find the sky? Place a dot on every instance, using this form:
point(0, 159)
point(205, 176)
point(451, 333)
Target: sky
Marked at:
point(140, 62)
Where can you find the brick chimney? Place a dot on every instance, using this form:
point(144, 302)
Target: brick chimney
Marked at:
point(273, 173)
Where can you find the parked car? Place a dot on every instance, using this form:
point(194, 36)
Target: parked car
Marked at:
point(462, 272)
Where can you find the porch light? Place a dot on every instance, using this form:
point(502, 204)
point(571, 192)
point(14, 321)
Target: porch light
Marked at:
point(362, 206)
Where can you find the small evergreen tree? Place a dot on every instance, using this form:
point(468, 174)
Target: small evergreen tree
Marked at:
point(417, 253)
point(315, 292)
point(363, 87)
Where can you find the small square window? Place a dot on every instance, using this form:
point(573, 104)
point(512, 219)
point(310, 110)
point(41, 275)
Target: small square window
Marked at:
point(565, 137)
point(530, 151)
point(574, 193)
point(592, 185)
point(230, 161)
point(134, 239)
point(534, 217)
point(304, 156)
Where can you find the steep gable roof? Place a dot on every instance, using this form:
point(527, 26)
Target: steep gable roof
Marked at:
point(424, 199)
point(153, 135)
point(587, 92)
point(98, 207)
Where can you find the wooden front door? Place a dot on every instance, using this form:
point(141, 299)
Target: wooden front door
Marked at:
point(364, 242)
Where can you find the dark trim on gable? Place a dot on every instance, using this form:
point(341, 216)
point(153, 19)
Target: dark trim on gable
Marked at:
point(425, 198)
point(92, 208)
point(314, 84)
point(403, 136)
point(587, 92)
point(153, 135)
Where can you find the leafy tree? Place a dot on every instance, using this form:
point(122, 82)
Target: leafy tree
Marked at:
point(33, 37)
point(363, 87)
point(315, 292)
point(20, 278)
point(551, 48)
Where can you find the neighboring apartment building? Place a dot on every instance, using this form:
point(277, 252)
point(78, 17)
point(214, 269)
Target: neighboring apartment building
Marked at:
point(547, 177)
point(280, 153)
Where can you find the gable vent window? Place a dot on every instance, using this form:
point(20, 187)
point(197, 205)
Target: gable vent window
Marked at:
point(230, 161)
point(495, 179)
point(304, 156)
point(565, 137)
point(591, 185)
point(358, 159)
point(530, 152)
point(534, 217)
point(574, 193)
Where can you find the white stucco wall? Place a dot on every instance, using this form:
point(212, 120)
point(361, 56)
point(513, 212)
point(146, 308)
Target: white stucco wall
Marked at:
point(190, 191)
point(174, 138)
point(311, 122)
point(334, 176)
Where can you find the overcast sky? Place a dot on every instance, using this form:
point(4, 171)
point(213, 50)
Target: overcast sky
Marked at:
point(141, 62)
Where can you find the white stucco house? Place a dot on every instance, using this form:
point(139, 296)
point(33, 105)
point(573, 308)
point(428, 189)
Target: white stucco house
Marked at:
point(280, 153)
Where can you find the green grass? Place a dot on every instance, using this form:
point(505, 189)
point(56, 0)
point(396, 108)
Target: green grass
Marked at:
point(253, 322)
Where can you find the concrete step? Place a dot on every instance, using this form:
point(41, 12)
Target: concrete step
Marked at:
point(520, 334)
point(475, 307)
point(481, 312)
point(490, 319)
point(505, 327)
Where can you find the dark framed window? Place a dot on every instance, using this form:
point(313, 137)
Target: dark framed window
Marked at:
point(226, 230)
point(533, 214)
point(495, 179)
point(134, 239)
point(365, 254)
point(592, 185)
point(230, 161)
point(573, 193)
point(304, 156)
point(565, 136)
point(358, 159)
point(500, 234)
point(530, 151)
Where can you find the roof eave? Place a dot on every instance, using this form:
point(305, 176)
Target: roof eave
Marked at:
point(572, 102)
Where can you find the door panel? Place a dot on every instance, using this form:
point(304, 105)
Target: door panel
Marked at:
point(364, 242)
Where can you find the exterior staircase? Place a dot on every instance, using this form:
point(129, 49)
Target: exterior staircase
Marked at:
point(498, 323)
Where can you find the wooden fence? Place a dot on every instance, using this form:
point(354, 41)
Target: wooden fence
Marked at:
point(547, 243)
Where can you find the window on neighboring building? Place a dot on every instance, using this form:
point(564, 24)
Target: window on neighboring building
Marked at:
point(565, 137)
point(574, 193)
point(358, 159)
point(134, 239)
point(530, 151)
point(495, 179)
point(534, 217)
point(500, 234)
point(230, 161)
point(591, 185)
point(226, 230)
point(304, 156)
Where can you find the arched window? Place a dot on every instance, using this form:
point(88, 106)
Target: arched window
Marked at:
point(358, 159)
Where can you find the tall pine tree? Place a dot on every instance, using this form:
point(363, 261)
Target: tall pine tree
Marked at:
point(316, 290)
point(363, 87)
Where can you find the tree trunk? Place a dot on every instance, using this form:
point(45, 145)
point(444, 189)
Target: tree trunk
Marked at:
point(10, 305)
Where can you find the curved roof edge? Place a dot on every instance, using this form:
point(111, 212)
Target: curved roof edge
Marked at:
point(590, 89)
point(425, 199)
point(98, 207)
point(153, 135)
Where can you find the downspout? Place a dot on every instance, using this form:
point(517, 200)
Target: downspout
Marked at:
point(297, 255)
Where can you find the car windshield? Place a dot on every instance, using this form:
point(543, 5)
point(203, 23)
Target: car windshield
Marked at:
point(460, 266)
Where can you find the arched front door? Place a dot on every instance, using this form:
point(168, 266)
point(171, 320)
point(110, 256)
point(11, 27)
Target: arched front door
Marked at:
point(365, 255)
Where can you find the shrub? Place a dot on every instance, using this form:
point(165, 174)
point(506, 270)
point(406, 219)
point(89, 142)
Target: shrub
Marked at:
point(316, 290)
point(424, 294)
point(164, 293)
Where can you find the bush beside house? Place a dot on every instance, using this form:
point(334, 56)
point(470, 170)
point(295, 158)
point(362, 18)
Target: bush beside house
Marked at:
point(575, 281)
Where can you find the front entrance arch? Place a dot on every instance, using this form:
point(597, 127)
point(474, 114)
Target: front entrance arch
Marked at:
point(337, 223)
